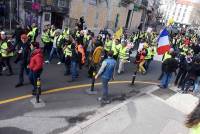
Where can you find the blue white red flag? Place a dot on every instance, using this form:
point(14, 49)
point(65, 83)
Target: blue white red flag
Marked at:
point(163, 42)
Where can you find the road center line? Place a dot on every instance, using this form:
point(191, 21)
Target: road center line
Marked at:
point(70, 88)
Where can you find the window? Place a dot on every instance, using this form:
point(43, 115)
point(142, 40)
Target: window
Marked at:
point(61, 3)
point(93, 2)
point(47, 17)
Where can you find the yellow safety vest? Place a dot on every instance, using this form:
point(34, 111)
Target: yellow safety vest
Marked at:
point(166, 56)
point(58, 41)
point(45, 37)
point(108, 45)
point(184, 51)
point(32, 33)
point(68, 51)
point(149, 54)
point(66, 33)
point(52, 33)
point(123, 53)
point(4, 51)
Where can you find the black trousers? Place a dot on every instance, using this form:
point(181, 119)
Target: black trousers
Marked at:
point(6, 60)
point(180, 77)
point(67, 65)
point(22, 68)
point(47, 48)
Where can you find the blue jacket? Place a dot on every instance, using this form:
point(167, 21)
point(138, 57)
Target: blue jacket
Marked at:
point(109, 68)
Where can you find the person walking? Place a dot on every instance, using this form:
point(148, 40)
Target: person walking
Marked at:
point(23, 56)
point(123, 57)
point(169, 66)
point(6, 50)
point(35, 65)
point(74, 62)
point(107, 73)
point(56, 47)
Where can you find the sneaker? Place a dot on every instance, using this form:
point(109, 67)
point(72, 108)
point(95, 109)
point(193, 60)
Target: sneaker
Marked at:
point(58, 63)
point(47, 62)
point(5, 68)
point(19, 85)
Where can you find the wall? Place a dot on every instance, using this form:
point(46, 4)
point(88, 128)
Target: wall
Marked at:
point(77, 10)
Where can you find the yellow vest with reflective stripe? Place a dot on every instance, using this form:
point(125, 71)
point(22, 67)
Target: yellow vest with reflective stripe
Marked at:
point(58, 41)
point(66, 33)
point(52, 33)
point(123, 53)
point(166, 56)
point(149, 54)
point(3, 49)
point(45, 37)
point(68, 51)
point(184, 51)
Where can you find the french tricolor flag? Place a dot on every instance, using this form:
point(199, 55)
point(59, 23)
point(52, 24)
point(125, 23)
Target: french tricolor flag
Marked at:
point(163, 42)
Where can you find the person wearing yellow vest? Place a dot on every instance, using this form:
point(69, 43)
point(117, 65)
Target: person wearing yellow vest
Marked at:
point(65, 33)
point(148, 58)
point(193, 120)
point(123, 56)
point(108, 45)
point(184, 49)
point(33, 33)
point(6, 51)
point(68, 54)
point(56, 47)
point(46, 40)
point(52, 32)
point(116, 48)
point(166, 56)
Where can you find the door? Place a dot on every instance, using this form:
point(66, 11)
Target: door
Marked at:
point(57, 19)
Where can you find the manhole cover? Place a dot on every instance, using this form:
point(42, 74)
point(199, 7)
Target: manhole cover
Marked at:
point(164, 93)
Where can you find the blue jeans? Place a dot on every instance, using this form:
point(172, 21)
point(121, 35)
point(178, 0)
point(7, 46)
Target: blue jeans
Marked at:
point(33, 76)
point(74, 71)
point(105, 88)
point(54, 50)
point(196, 84)
point(166, 79)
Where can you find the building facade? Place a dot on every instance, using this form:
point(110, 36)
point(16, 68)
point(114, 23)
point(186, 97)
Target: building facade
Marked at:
point(182, 11)
point(98, 14)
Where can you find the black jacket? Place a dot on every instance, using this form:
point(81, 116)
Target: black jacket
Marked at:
point(24, 56)
point(170, 65)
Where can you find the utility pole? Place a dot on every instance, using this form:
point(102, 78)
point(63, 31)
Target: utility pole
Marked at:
point(10, 14)
point(97, 14)
point(109, 15)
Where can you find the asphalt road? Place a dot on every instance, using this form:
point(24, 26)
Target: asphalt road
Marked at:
point(61, 109)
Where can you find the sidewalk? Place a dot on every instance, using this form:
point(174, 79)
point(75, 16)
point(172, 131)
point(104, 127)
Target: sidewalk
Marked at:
point(144, 114)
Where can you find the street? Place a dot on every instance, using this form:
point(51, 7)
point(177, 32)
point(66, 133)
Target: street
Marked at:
point(64, 108)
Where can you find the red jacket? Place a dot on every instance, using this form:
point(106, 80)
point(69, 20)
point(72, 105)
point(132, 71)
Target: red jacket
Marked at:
point(36, 60)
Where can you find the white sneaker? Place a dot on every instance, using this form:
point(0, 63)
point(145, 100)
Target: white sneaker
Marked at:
point(5, 68)
point(59, 63)
point(47, 62)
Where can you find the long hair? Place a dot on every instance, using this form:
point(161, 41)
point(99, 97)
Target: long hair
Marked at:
point(194, 118)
